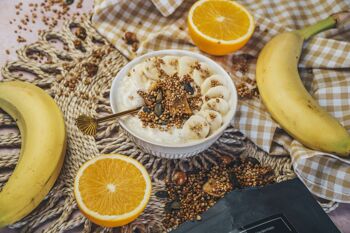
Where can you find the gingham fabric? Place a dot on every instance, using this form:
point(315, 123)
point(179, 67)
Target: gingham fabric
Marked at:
point(324, 67)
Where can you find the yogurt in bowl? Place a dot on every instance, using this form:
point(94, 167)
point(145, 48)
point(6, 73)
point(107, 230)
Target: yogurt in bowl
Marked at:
point(188, 101)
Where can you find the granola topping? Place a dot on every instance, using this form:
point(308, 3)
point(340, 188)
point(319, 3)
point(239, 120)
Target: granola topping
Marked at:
point(169, 103)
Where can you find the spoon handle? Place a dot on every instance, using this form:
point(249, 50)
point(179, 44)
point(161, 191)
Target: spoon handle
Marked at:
point(119, 114)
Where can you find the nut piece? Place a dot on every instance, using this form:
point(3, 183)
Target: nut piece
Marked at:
point(214, 188)
point(180, 102)
point(81, 33)
point(134, 46)
point(91, 69)
point(79, 45)
point(130, 38)
point(226, 159)
point(179, 178)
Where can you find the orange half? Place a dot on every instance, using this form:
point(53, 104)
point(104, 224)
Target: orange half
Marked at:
point(112, 190)
point(220, 27)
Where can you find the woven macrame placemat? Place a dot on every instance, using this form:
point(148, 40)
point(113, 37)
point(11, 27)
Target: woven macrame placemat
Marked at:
point(90, 95)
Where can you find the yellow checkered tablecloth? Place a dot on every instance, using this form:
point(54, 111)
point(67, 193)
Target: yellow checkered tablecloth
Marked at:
point(324, 66)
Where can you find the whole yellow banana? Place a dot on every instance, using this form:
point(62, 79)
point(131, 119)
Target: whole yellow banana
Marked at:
point(43, 147)
point(286, 98)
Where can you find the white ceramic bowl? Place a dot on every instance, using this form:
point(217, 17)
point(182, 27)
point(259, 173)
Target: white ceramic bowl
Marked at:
point(182, 150)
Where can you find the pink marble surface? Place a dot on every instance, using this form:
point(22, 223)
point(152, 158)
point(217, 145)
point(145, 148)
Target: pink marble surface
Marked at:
point(341, 216)
point(8, 39)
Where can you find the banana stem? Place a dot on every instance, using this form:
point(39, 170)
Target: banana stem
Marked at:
point(331, 22)
point(323, 25)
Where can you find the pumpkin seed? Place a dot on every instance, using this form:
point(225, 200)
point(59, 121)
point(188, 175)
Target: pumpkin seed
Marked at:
point(172, 205)
point(188, 88)
point(158, 109)
point(159, 97)
point(69, 2)
point(175, 205)
point(167, 207)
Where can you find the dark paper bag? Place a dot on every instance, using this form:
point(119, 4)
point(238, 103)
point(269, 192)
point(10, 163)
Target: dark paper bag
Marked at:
point(286, 207)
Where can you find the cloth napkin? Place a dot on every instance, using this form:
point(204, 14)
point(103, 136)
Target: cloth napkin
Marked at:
point(324, 67)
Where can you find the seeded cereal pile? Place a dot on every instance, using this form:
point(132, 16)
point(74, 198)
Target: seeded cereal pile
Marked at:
point(190, 194)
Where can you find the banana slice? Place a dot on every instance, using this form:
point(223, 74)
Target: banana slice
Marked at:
point(213, 118)
point(199, 75)
point(185, 65)
point(196, 127)
point(150, 68)
point(217, 92)
point(218, 104)
point(170, 64)
point(205, 68)
point(212, 81)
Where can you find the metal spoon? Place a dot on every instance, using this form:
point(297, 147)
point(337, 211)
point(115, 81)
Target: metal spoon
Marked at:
point(88, 125)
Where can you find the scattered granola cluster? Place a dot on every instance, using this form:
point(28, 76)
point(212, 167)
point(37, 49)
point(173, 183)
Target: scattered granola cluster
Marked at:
point(131, 39)
point(246, 88)
point(240, 62)
point(199, 190)
point(49, 12)
point(88, 71)
point(252, 174)
point(170, 102)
